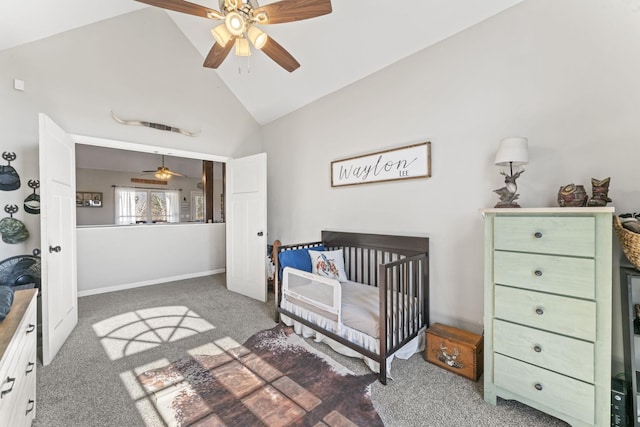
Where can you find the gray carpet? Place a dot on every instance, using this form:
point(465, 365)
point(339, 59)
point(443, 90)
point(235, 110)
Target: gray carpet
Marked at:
point(90, 383)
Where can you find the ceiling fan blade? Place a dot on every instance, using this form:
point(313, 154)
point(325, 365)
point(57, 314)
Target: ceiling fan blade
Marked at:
point(218, 53)
point(294, 10)
point(174, 173)
point(184, 7)
point(155, 170)
point(280, 55)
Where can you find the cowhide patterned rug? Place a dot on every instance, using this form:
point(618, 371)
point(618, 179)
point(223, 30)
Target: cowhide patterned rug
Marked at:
point(274, 379)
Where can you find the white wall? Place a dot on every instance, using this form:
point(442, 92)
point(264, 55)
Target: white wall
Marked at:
point(138, 65)
point(562, 73)
point(152, 254)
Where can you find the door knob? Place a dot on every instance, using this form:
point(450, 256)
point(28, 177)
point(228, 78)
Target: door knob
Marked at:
point(55, 249)
point(260, 233)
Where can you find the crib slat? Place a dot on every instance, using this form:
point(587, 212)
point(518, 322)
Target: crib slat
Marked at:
point(394, 312)
point(405, 320)
point(382, 323)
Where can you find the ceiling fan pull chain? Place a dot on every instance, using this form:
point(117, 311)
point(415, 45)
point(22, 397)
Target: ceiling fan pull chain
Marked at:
point(248, 66)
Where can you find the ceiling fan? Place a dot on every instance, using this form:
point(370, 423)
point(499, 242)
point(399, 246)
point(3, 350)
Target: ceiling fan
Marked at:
point(163, 172)
point(240, 18)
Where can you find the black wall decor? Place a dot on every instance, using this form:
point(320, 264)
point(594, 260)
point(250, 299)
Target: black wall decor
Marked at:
point(32, 202)
point(13, 230)
point(9, 178)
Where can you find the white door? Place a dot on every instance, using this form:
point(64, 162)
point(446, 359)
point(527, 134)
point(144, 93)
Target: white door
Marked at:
point(246, 217)
point(58, 237)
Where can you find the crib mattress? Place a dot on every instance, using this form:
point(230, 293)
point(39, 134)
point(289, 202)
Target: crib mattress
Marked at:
point(360, 308)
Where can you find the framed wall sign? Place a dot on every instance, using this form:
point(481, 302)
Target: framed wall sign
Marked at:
point(85, 199)
point(412, 161)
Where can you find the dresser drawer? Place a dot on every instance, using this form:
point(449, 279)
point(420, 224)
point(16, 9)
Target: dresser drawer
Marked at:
point(9, 385)
point(564, 315)
point(546, 235)
point(18, 331)
point(13, 374)
point(546, 273)
point(24, 407)
point(575, 398)
point(574, 358)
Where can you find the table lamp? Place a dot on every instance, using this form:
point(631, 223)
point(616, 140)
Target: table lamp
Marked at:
point(512, 152)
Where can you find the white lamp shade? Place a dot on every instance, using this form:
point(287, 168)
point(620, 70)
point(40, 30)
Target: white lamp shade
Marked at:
point(257, 37)
point(242, 47)
point(221, 34)
point(513, 151)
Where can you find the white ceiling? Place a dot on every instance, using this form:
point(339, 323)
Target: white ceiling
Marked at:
point(357, 39)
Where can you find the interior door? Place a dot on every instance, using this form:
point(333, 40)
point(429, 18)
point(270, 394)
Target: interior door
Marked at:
point(58, 237)
point(246, 216)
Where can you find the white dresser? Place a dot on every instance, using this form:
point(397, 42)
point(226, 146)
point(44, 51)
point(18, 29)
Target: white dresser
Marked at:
point(18, 361)
point(547, 310)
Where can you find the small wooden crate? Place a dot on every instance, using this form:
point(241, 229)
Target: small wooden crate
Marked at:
point(455, 350)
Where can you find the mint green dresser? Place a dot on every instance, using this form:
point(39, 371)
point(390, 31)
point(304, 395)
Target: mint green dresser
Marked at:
point(547, 310)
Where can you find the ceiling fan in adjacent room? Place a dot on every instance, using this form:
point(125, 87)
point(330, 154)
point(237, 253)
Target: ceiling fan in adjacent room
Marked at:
point(241, 18)
point(163, 172)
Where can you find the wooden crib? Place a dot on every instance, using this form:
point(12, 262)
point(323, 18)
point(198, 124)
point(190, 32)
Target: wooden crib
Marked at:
point(397, 265)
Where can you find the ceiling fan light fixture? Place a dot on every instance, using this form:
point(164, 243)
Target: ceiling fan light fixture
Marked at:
point(235, 23)
point(242, 47)
point(257, 37)
point(232, 4)
point(163, 175)
point(221, 34)
point(214, 14)
point(239, 17)
point(261, 17)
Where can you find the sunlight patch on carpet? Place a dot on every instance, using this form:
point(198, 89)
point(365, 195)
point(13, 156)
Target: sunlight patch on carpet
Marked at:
point(273, 379)
point(141, 330)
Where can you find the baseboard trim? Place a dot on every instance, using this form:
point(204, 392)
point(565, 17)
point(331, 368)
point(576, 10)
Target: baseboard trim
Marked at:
point(148, 283)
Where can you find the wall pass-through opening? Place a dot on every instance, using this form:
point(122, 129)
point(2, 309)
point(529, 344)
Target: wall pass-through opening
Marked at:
point(120, 187)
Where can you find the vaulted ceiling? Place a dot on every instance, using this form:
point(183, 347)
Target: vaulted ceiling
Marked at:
point(357, 39)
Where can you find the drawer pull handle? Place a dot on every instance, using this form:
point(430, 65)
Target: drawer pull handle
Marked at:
point(31, 328)
point(538, 273)
point(8, 380)
point(538, 386)
point(30, 367)
point(538, 235)
point(537, 349)
point(30, 408)
point(539, 311)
